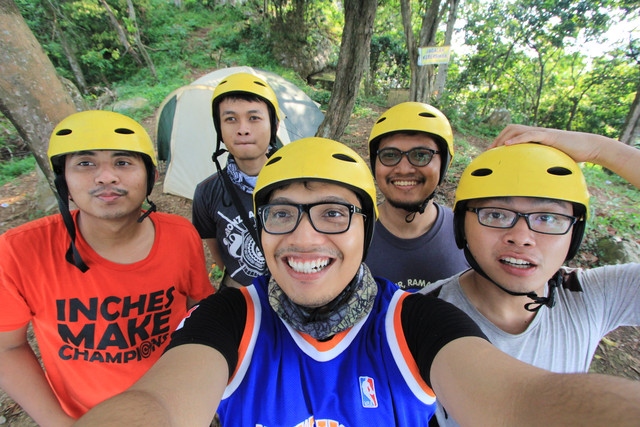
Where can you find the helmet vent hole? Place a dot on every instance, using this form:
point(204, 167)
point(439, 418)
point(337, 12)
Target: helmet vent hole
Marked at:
point(559, 170)
point(481, 172)
point(425, 114)
point(259, 83)
point(63, 132)
point(381, 119)
point(124, 131)
point(273, 160)
point(344, 157)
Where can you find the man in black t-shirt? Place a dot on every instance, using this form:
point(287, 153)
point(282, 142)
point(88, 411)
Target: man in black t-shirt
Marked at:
point(246, 116)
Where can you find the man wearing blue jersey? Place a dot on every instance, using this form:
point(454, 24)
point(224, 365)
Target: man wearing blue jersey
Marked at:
point(320, 342)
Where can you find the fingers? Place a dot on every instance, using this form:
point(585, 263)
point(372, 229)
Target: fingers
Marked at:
point(518, 134)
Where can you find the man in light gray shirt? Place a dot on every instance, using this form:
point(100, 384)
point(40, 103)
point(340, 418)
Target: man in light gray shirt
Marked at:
point(520, 212)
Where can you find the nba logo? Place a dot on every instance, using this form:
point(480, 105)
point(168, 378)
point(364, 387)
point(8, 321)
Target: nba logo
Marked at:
point(368, 393)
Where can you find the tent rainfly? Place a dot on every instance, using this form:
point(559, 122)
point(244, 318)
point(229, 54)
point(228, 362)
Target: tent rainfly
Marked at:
point(186, 137)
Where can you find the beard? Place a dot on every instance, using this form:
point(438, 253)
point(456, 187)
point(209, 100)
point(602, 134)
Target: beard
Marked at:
point(409, 206)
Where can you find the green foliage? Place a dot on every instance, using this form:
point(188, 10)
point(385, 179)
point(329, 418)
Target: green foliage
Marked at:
point(463, 154)
point(525, 58)
point(617, 207)
point(216, 273)
point(15, 168)
point(321, 96)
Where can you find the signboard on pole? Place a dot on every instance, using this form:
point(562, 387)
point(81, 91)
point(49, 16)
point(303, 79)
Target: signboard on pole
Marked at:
point(433, 55)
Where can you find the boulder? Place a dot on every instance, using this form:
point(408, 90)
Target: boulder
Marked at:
point(499, 118)
point(130, 105)
point(397, 96)
point(616, 250)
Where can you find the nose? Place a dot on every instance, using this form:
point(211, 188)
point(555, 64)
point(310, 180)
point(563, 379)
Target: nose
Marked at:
point(305, 233)
point(520, 234)
point(243, 127)
point(404, 163)
point(106, 175)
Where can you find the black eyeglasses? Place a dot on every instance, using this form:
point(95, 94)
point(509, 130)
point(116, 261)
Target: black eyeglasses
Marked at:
point(540, 222)
point(325, 217)
point(418, 156)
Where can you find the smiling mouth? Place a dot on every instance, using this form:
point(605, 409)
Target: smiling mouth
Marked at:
point(517, 263)
point(405, 183)
point(308, 267)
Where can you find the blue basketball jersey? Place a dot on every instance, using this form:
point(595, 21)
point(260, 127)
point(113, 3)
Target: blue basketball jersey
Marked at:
point(364, 376)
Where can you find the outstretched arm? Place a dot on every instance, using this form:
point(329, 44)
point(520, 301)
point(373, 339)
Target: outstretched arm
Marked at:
point(23, 379)
point(480, 385)
point(183, 388)
point(581, 147)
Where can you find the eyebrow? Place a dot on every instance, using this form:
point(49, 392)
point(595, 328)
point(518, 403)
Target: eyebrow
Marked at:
point(535, 200)
point(229, 112)
point(114, 154)
point(328, 199)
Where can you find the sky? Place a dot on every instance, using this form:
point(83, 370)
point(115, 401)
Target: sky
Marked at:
point(618, 35)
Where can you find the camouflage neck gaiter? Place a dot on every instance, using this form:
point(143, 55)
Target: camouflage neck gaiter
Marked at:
point(353, 303)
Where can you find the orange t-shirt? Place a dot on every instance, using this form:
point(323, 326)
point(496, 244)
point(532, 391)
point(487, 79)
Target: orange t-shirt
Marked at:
point(98, 331)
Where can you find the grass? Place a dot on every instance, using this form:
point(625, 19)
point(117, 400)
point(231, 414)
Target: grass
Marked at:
point(614, 203)
point(15, 168)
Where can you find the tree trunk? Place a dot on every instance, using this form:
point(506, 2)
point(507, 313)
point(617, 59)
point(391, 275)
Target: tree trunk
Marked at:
point(68, 48)
point(122, 34)
point(31, 95)
point(141, 47)
point(536, 100)
point(441, 77)
point(421, 76)
point(412, 49)
point(491, 80)
point(354, 50)
point(70, 53)
point(631, 130)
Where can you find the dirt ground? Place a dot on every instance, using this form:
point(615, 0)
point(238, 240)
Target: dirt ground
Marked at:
point(618, 353)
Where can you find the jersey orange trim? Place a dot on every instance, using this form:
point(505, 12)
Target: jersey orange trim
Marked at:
point(325, 345)
point(404, 348)
point(248, 330)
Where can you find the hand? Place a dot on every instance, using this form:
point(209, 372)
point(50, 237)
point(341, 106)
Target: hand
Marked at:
point(580, 146)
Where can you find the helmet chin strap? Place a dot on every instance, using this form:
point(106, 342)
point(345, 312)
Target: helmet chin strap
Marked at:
point(538, 301)
point(417, 209)
point(152, 208)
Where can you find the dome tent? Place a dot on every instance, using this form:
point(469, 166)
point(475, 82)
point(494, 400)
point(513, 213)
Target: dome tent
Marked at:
point(186, 137)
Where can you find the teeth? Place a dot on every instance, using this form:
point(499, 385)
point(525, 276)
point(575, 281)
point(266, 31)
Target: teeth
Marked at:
point(516, 262)
point(308, 267)
point(404, 183)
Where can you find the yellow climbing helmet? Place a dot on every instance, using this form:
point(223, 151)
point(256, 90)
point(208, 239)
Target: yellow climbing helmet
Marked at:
point(527, 170)
point(98, 130)
point(319, 159)
point(524, 170)
point(414, 117)
point(246, 83)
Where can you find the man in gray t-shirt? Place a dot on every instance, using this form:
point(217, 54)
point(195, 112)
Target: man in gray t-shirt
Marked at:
point(410, 150)
point(520, 213)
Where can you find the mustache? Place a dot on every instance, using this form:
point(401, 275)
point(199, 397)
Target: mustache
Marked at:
point(105, 189)
point(332, 253)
